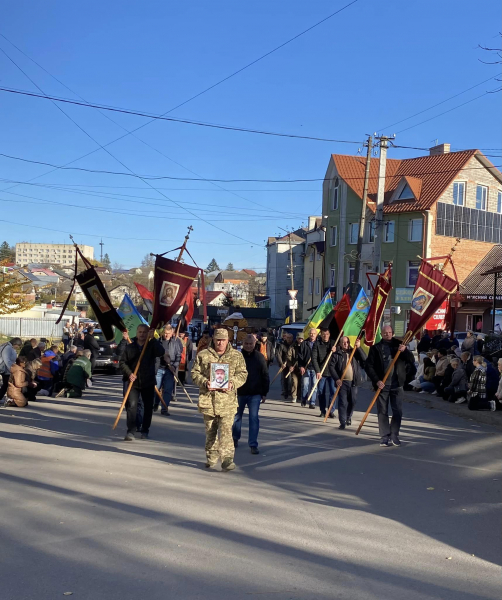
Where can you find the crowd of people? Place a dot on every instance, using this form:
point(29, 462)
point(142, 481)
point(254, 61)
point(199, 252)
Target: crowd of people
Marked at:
point(458, 373)
point(311, 371)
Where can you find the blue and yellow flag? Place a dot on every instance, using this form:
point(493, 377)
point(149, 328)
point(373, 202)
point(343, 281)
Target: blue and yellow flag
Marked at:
point(324, 308)
point(131, 317)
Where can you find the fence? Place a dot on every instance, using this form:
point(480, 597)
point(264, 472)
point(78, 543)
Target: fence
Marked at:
point(14, 326)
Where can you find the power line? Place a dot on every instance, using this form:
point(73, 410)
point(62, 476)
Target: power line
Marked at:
point(173, 119)
point(437, 104)
point(123, 164)
point(159, 177)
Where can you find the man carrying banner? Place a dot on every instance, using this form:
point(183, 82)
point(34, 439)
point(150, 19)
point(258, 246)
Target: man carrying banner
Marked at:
point(326, 388)
point(307, 371)
point(143, 383)
point(379, 360)
point(167, 368)
point(219, 405)
point(347, 379)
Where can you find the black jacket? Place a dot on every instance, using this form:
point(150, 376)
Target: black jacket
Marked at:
point(305, 355)
point(338, 363)
point(375, 362)
point(146, 371)
point(270, 350)
point(424, 345)
point(258, 380)
point(92, 344)
point(35, 354)
point(286, 354)
point(320, 352)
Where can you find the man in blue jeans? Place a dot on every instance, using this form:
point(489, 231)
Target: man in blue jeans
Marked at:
point(167, 368)
point(321, 355)
point(252, 393)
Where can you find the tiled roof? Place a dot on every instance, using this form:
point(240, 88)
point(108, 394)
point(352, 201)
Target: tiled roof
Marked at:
point(427, 176)
point(210, 296)
point(475, 283)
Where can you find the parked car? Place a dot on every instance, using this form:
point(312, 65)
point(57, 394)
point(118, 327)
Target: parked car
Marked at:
point(107, 359)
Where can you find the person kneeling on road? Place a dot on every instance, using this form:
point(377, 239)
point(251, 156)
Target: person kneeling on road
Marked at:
point(219, 406)
point(252, 393)
point(143, 384)
point(347, 396)
point(78, 375)
point(379, 360)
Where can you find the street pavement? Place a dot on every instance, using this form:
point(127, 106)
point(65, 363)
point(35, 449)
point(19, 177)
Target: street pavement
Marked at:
point(318, 514)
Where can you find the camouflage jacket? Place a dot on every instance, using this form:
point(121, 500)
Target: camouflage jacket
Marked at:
point(219, 403)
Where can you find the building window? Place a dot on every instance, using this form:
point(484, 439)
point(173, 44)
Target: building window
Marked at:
point(481, 196)
point(499, 202)
point(406, 193)
point(332, 275)
point(388, 231)
point(333, 236)
point(311, 256)
point(458, 193)
point(412, 272)
point(415, 230)
point(336, 192)
point(317, 285)
point(353, 233)
point(371, 231)
point(311, 284)
point(352, 272)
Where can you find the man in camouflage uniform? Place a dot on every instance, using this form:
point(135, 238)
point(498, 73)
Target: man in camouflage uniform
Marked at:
point(219, 406)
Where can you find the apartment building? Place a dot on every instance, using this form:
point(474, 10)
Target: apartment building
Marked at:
point(57, 254)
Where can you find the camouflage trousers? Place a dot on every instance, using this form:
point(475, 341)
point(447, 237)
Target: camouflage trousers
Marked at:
point(224, 446)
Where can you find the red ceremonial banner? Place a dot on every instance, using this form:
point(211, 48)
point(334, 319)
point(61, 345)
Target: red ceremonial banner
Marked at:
point(342, 310)
point(171, 281)
point(380, 295)
point(146, 295)
point(432, 288)
point(438, 319)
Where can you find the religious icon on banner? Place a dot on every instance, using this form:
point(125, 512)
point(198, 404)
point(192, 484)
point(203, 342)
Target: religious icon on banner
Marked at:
point(421, 300)
point(168, 293)
point(98, 298)
point(219, 376)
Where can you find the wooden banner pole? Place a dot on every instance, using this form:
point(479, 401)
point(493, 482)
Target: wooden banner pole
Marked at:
point(406, 339)
point(180, 384)
point(289, 372)
point(278, 373)
point(160, 396)
point(328, 358)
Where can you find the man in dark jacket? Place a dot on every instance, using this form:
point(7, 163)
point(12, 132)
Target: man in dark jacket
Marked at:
point(379, 359)
point(307, 371)
point(144, 381)
point(166, 369)
point(252, 393)
point(28, 347)
point(265, 347)
point(424, 345)
point(436, 339)
point(321, 352)
point(347, 396)
point(286, 358)
point(92, 344)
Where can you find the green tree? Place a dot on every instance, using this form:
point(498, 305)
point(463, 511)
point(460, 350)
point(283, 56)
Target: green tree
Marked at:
point(230, 267)
point(212, 266)
point(106, 261)
point(7, 253)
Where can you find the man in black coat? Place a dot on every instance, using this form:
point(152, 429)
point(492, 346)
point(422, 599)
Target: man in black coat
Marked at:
point(347, 396)
point(143, 381)
point(379, 359)
point(252, 393)
point(326, 388)
point(424, 345)
point(92, 344)
point(307, 371)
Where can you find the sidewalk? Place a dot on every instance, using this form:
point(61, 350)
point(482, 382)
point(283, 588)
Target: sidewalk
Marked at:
point(428, 401)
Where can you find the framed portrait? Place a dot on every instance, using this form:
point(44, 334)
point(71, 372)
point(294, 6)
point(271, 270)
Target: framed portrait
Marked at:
point(98, 299)
point(219, 376)
point(168, 293)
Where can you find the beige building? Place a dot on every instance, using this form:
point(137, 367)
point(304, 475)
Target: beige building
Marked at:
point(56, 254)
point(314, 285)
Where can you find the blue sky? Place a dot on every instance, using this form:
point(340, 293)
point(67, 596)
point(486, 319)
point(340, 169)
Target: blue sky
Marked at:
point(377, 62)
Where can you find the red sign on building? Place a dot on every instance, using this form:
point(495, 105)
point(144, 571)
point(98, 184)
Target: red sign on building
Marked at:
point(438, 319)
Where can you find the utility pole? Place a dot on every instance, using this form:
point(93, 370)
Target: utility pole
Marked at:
point(101, 244)
point(377, 255)
point(362, 222)
point(293, 310)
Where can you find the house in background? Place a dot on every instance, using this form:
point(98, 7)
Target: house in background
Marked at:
point(429, 202)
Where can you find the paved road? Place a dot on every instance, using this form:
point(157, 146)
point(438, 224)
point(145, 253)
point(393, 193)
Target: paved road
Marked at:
point(319, 514)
